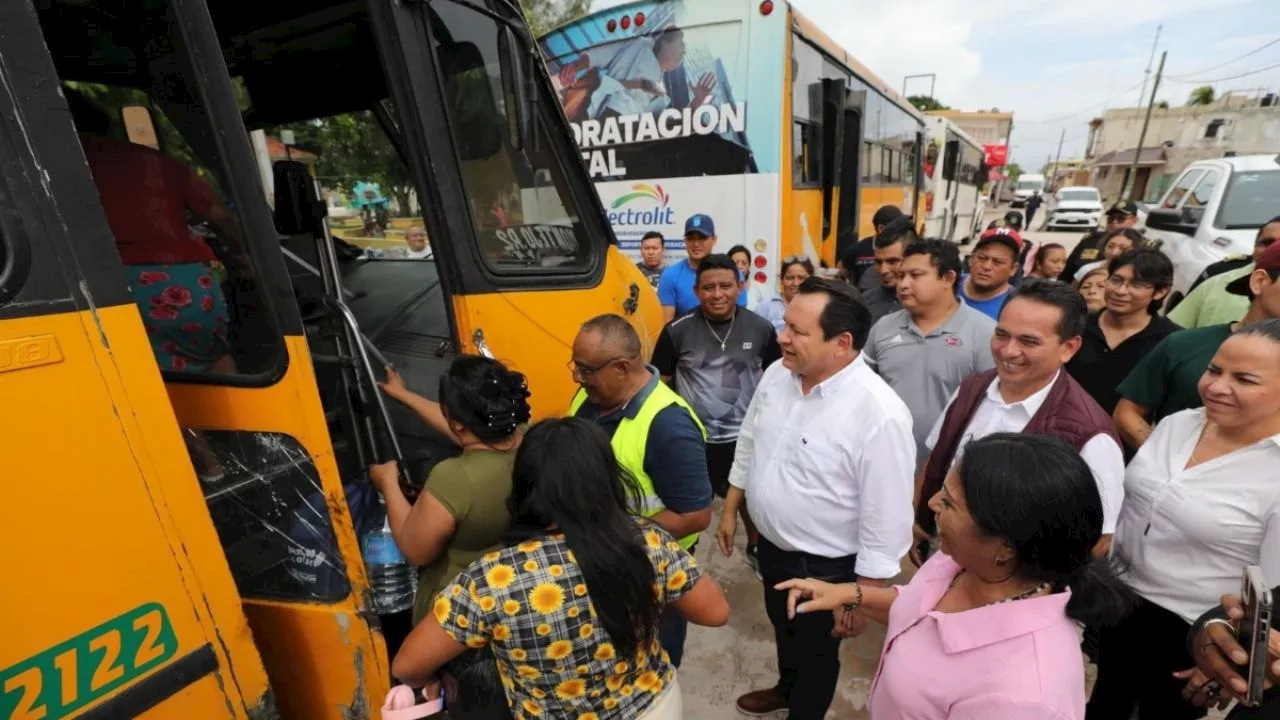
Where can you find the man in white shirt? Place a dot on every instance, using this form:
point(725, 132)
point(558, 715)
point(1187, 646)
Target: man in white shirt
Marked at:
point(1039, 329)
point(824, 462)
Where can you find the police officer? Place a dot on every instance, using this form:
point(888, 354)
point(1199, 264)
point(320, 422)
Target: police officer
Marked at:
point(1124, 214)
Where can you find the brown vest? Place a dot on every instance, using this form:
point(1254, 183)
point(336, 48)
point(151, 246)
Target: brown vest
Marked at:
point(1068, 413)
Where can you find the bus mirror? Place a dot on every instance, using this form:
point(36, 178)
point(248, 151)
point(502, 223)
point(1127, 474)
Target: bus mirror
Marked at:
point(834, 97)
point(298, 211)
point(480, 124)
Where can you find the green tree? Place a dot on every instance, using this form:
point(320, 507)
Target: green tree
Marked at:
point(353, 148)
point(926, 103)
point(546, 15)
point(1013, 171)
point(1202, 95)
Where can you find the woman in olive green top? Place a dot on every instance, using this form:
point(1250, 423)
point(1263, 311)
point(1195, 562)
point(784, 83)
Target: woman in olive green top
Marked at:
point(462, 512)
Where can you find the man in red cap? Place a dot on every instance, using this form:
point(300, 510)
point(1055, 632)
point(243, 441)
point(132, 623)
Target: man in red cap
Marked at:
point(991, 266)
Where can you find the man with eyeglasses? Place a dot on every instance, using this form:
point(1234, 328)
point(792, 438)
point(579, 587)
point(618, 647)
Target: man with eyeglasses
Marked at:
point(1117, 337)
point(991, 268)
point(655, 434)
point(1167, 379)
point(676, 287)
point(1208, 303)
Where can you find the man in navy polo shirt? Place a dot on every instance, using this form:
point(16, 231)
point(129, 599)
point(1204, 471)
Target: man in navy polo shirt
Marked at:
point(676, 288)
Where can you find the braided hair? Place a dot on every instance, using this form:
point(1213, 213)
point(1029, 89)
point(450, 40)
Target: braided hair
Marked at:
point(485, 397)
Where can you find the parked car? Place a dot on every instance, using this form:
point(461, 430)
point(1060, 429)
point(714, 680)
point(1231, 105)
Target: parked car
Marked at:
point(1213, 210)
point(1075, 207)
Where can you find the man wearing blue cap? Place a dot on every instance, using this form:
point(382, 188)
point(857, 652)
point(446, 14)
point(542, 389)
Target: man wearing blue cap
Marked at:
point(676, 287)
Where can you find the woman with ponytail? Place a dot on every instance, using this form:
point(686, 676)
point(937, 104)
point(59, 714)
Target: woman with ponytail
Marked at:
point(571, 609)
point(462, 511)
point(987, 627)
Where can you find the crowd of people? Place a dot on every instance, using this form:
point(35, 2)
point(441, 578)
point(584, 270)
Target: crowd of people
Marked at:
point(1057, 460)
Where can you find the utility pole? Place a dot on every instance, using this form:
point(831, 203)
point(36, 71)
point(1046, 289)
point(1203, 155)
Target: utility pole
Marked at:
point(1053, 178)
point(1142, 137)
point(1142, 95)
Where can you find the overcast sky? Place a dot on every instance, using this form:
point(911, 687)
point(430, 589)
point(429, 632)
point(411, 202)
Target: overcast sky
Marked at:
point(1054, 63)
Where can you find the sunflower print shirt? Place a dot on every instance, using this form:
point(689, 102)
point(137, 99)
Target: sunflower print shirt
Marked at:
point(530, 602)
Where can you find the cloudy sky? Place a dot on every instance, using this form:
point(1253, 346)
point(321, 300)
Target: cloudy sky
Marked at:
point(1054, 63)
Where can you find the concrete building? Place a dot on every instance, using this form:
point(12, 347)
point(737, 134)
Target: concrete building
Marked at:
point(1236, 124)
point(1068, 172)
point(985, 127)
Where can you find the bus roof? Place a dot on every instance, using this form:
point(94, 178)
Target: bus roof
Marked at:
point(809, 31)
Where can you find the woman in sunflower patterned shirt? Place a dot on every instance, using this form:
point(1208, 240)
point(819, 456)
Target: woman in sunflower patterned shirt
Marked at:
point(572, 612)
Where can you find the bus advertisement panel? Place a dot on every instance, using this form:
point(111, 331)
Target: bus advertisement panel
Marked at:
point(675, 106)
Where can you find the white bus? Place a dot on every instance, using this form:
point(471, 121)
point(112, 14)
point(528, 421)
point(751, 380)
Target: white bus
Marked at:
point(955, 172)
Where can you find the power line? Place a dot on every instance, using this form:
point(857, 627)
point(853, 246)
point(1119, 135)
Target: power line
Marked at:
point(1082, 110)
point(1255, 51)
point(1225, 79)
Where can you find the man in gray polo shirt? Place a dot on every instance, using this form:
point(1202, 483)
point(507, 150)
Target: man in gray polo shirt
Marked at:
point(924, 350)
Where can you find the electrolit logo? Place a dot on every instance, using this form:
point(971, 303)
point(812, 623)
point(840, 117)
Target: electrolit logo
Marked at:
point(660, 214)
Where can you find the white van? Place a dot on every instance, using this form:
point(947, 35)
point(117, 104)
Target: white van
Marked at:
point(1214, 209)
point(1028, 184)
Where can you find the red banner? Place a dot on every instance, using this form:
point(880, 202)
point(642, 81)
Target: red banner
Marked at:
point(996, 155)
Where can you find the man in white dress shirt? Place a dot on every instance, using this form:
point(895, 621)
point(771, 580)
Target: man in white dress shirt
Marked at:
point(824, 462)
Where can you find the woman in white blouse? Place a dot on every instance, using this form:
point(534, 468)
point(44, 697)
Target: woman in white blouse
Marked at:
point(1202, 500)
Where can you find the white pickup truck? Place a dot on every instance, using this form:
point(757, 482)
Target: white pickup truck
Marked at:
point(1214, 209)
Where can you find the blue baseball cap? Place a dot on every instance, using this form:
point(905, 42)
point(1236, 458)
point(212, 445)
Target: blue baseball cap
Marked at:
point(700, 224)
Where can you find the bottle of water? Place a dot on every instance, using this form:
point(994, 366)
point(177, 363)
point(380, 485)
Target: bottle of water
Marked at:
point(393, 580)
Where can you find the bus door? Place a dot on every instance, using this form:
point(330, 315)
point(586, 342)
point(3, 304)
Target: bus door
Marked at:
point(117, 601)
point(951, 184)
point(520, 237)
point(849, 209)
point(227, 335)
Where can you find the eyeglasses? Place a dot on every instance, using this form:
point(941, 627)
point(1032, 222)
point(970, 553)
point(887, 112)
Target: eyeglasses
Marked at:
point(1116, 282)
point(584, 372)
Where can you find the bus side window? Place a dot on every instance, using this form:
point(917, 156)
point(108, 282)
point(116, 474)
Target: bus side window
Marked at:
point(264, 496)
point(155, 162)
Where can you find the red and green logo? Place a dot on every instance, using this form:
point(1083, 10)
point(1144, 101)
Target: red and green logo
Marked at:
point(644, 191)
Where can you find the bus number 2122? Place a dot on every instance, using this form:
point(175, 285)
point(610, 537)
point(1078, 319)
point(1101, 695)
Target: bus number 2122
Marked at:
point(76, 672)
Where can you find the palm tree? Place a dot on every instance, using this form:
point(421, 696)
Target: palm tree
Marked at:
point(1203, 95)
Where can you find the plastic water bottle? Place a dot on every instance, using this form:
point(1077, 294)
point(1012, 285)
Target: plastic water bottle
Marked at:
point(393, 580)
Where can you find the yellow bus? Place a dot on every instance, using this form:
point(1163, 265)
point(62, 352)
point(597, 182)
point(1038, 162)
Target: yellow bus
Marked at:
point(182, 501)
point(743, 110)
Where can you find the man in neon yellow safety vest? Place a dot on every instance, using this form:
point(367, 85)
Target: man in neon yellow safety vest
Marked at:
point(656, 436)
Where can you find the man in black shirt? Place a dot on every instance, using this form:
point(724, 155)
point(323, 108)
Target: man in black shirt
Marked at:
point(880, 288)
point(652, 251)
point(1121, 334)
point(1033, 204)
point(860, 258)
point(714, 357)
point(1123, 214)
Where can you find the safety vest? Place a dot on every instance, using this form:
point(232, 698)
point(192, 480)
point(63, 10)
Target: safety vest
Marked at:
point(632, 436)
